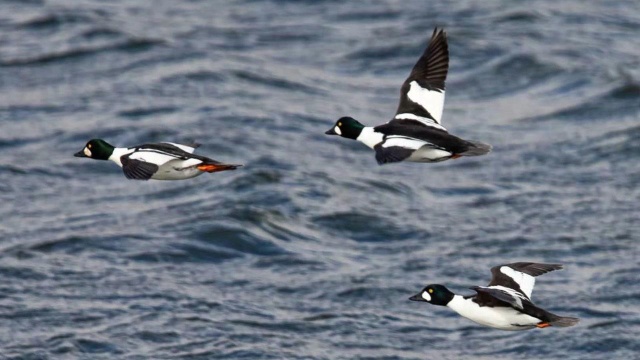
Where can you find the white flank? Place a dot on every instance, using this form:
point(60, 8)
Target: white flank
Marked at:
point(426, 296)
point(430, 100)
point(424, 120)
point(504, 318)
point(370, 137)
point(525, 281)
point(152, 156)
point(423, 151)
point(178, 169)
point(405, 142)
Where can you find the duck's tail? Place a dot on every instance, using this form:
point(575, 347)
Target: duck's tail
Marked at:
point(563, 321)
point(210, 168)
point(476, 148)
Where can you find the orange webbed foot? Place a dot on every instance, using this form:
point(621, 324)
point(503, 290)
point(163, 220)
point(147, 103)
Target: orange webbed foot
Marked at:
point(216, 167)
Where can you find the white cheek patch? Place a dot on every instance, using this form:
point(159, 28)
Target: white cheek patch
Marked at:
point(337, 130)
point(426, 296)
point(87, 152)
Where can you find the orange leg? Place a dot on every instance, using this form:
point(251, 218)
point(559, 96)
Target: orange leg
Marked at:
point(455, 156)
point(214, 168)
point(543, 325)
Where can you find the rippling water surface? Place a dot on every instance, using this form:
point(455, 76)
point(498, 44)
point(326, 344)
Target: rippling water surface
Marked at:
point(311, 250)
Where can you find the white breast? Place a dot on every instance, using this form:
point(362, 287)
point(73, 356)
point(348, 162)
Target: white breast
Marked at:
point(117, 153)
point(504, 318)
point(370, 137)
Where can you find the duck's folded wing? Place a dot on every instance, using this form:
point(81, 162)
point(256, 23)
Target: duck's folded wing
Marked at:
point(422, 93)
point(187, 148)
point(138, 169)
point(504, 294)
point(165, 148)
point(520, 276)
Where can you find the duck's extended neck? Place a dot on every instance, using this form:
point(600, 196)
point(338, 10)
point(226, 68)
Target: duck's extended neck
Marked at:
point(462, 306)
point(369, 137)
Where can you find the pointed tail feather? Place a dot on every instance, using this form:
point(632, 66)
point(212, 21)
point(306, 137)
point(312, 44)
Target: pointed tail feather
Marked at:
point(476, 148)
point(210, 168)
point(564, 321)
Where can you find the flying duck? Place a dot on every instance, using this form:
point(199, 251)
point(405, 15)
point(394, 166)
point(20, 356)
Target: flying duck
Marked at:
point(161, 161)
point(416, 133)
point(505, 303)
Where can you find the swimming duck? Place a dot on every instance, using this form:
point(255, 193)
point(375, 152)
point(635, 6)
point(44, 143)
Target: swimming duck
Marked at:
point(161, 161)
point(416, 132)
point(505, 303)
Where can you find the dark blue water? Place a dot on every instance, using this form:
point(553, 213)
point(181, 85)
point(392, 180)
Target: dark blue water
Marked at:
point(311, 250)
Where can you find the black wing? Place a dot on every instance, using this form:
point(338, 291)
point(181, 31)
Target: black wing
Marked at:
point(136, 169)
point(385, 155)
point(529, 268)
point(165, 148)
point(520, 276)
point(422, 93)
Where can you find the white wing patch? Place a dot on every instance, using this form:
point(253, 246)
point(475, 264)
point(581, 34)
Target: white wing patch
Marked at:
point(511, 292)
point(430, 100)
point(525, 281)
point(424, 120)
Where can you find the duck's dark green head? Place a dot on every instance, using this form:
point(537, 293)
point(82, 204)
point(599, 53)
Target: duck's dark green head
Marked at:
point(96, 149)
point(346, 127)
point(435, 294)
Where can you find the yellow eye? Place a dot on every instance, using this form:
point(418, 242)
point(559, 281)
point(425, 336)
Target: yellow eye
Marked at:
point(89, 146)
point(430, 291)
point(339, 124)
